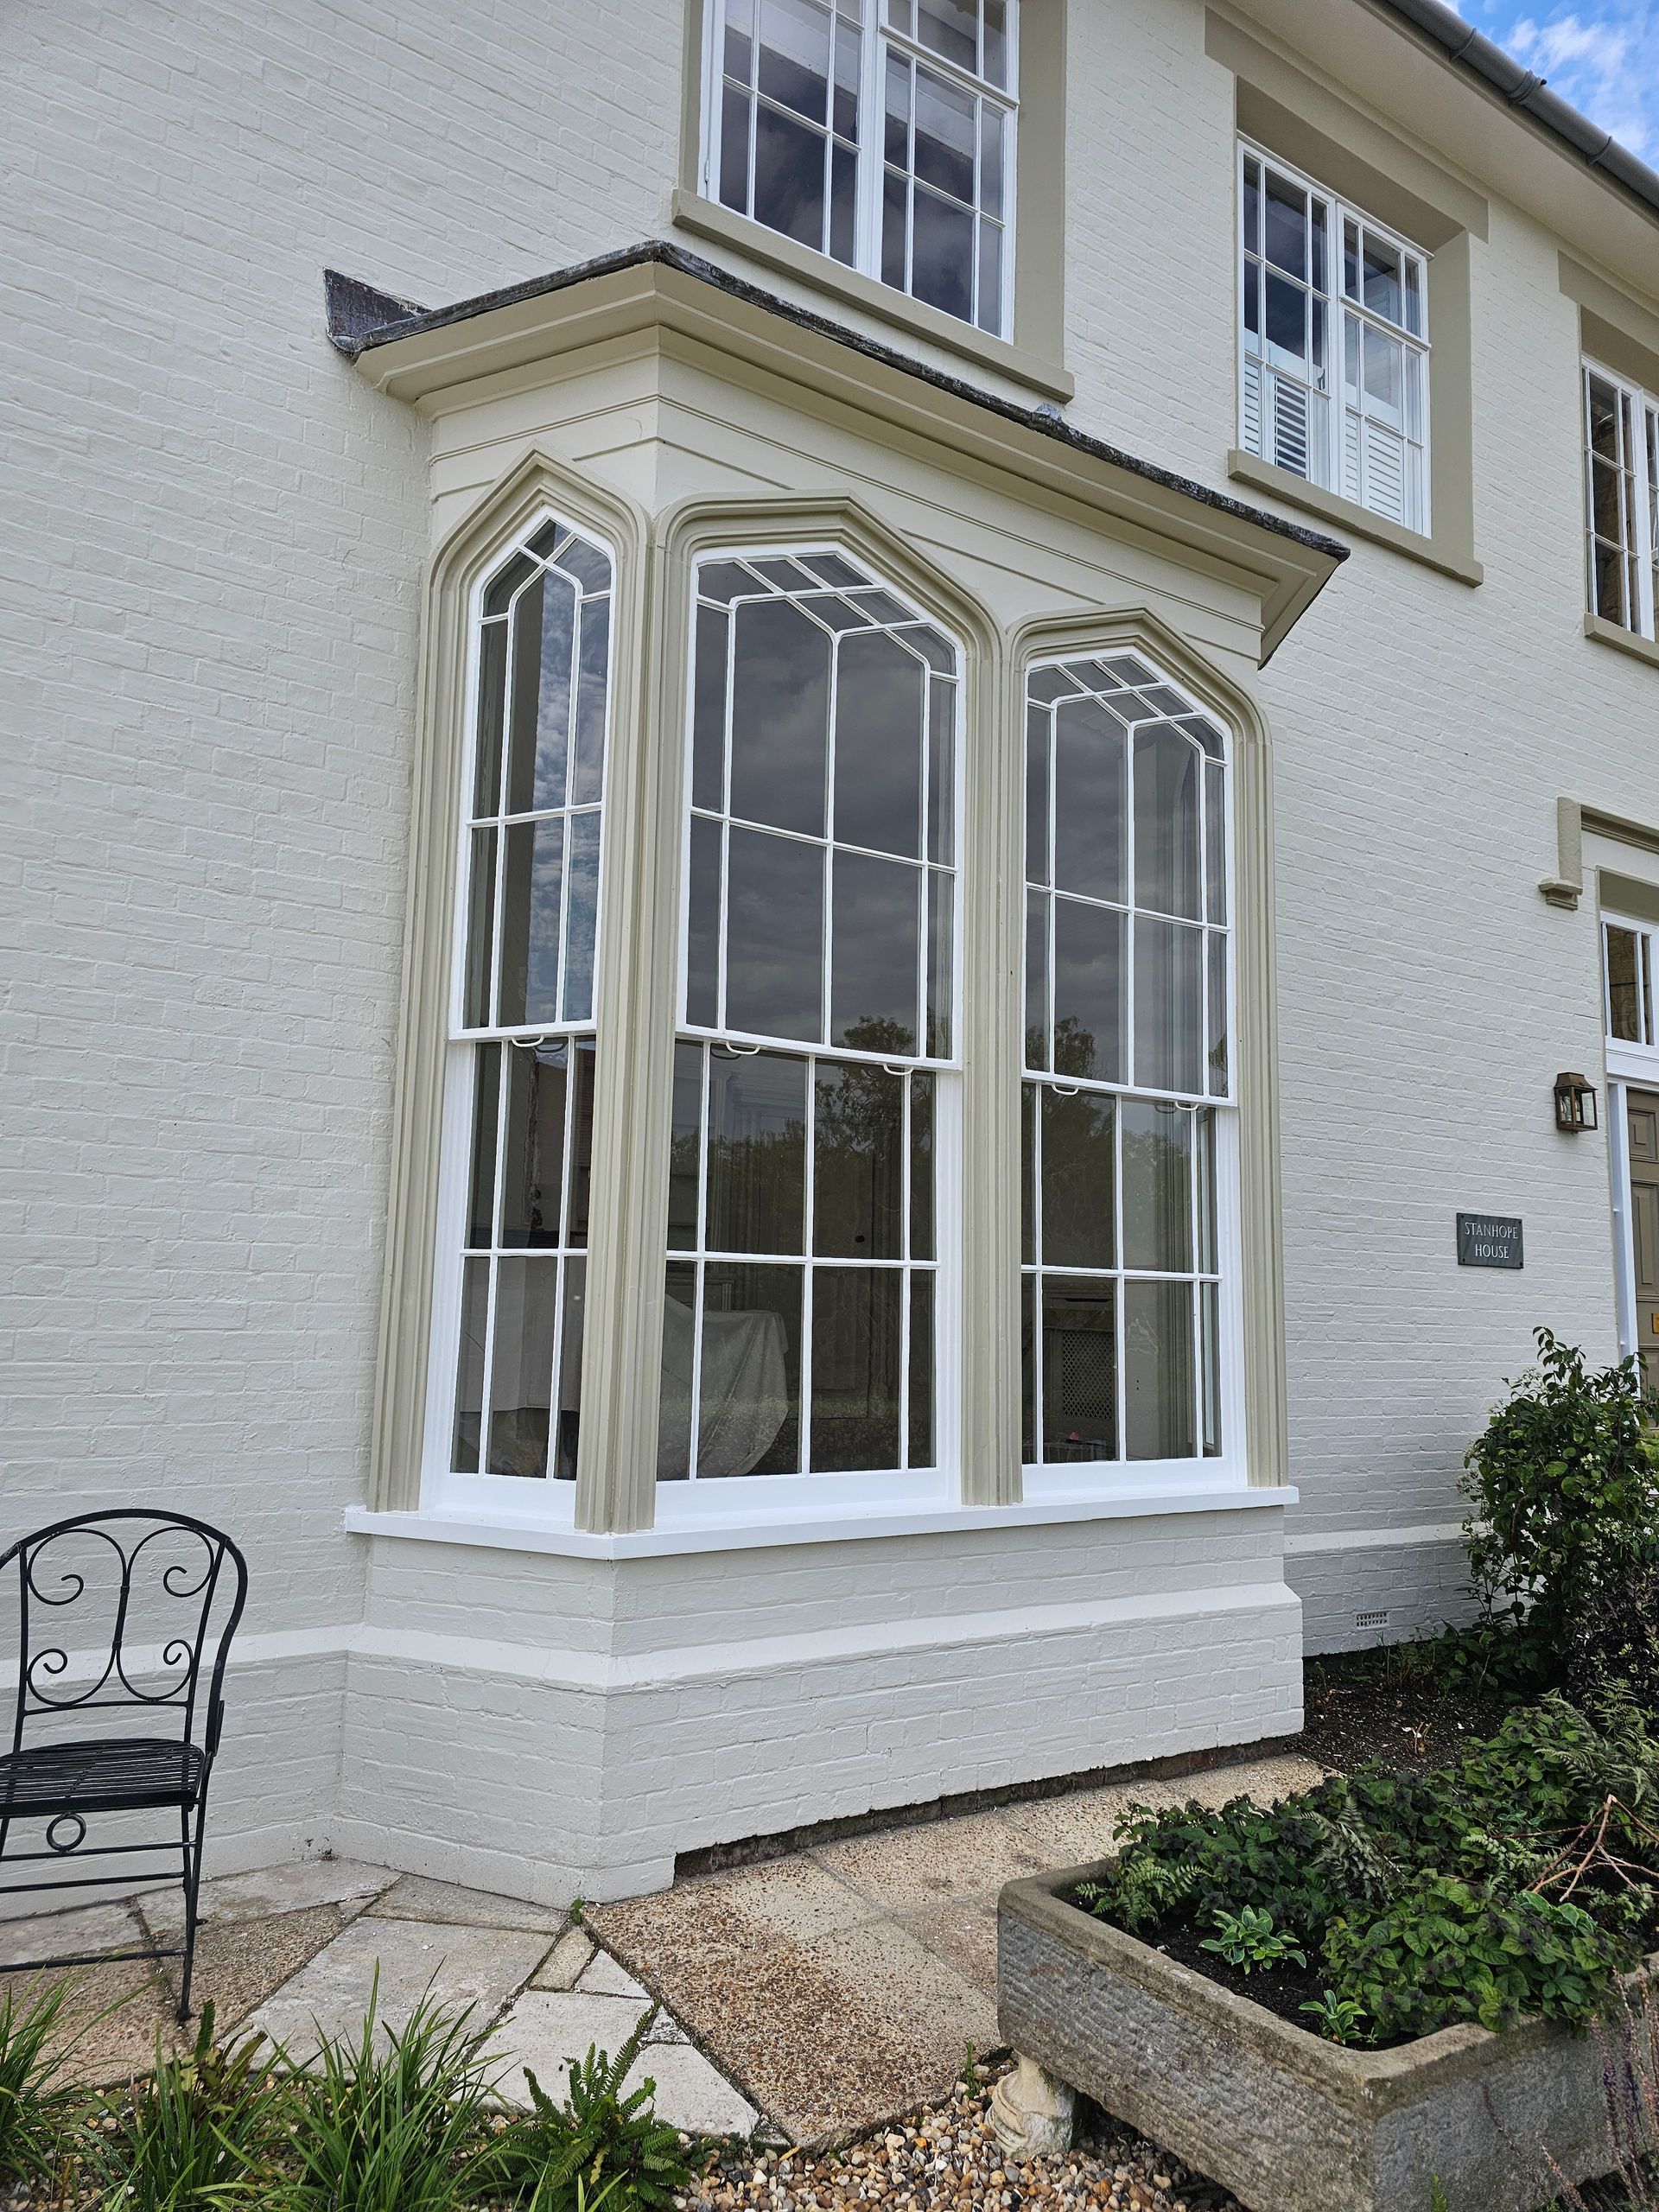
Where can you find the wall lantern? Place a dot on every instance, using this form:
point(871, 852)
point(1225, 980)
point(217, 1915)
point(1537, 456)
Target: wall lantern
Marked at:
point(1575, 1102)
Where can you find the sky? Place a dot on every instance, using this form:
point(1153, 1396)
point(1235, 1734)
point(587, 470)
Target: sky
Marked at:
point(1603, 55)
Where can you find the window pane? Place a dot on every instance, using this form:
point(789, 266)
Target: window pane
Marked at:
point(949, 27)
point(1210, 1368)
point(1158, 1395)
point(946, 127)
point(774, 977)
point(795, 56)
point(568, 1425)
point(1219, 1024)
point(708, 711)
point(469, 1379)
point(543, 628)
point(588, 748)
point(1168, 1005)
point(855, 1367)
point(1036, 795)
point(1382, 280)
point(921, 1370)
point(1288, 320)
point(879, 738)
point(1384, 377)
point(789, 159)
point(480, 932)
point(1624, 1008)
point(1088, 768)
point(877, 924)
point(492, 708)
point(1157, 1186)
point(1036, 1003)
point(942, 770)
point(942, 254)
point(859, 1163)
point(702, 924)
point(990, 158)
point(1029, 1289)
point(1030, 1098)
point(533, 1163)
point(940, 964)
point(895, 210)
point(757, 1152)
point(1079, 1180)
point(686, 1148)
point(521, 1378)
point(781, 717)
point(921, 1168)
point(1286, 226)
point(530, 922)
point(750, 1394)
point(1166, 822)
point(844, 204)
point(1603, 400)
point(1215, 841)
point(1088, 991)
point(486, 1106)
point(1209, 1263)
point(1079, 1356)
point(734, 114)
point(679, 1370)
point(740, 39)
point(581, 916)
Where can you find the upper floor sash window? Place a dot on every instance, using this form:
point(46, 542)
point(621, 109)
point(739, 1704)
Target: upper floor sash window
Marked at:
point(1621, 499)
point(880, 132)
point(1333, 344)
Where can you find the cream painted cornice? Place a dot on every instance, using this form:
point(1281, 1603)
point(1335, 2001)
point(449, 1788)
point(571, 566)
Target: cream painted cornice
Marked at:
point(656, 299)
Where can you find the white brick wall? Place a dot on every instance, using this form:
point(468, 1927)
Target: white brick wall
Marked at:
point(210, 545)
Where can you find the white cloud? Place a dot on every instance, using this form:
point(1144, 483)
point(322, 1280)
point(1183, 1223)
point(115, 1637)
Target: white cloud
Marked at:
point(1604, 60)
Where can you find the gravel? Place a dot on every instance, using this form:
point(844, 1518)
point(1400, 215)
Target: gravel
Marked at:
point(947, 2156)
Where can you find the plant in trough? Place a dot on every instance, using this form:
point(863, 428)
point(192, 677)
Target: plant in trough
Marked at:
point(34, 2106)
point(198, 2134)
point(392, 2119)
point(560, 2156)
point(1248, 1940)
point(1338, 2018)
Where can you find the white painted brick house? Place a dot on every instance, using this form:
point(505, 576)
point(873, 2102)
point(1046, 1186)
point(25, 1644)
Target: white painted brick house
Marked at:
point(438, 1086)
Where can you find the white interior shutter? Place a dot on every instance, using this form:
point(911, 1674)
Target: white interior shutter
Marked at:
point(1250, 406)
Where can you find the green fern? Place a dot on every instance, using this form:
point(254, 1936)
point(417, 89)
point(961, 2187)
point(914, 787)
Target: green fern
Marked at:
point(570, 2156)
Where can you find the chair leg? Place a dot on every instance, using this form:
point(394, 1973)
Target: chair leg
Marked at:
point(192, 1886)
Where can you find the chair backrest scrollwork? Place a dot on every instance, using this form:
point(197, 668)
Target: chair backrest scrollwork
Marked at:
point(120, 1610)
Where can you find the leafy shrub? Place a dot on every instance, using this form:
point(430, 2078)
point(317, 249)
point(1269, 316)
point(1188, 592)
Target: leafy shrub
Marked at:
point(1614, 1642)
point(1450, 1951)
point(1563, 1491)
point(392, 2120)
point(1338, 2018)
point(34, 2106)
point(571, 2157)
point(197, 2135)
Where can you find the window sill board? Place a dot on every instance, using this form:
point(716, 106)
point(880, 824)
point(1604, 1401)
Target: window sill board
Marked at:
point(497, 1533)
point(707, 219)
point(1604, 632)
point(1346, 514)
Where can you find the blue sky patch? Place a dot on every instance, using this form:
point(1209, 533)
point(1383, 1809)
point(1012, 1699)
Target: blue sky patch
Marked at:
point(1601, 54)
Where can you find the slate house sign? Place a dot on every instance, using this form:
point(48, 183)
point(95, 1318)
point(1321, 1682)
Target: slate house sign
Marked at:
point(1489, 1240)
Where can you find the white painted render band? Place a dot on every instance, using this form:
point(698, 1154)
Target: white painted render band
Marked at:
point(1352, 1540)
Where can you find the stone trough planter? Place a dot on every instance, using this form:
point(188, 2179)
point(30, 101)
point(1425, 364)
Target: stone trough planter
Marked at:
point(1291, 2123)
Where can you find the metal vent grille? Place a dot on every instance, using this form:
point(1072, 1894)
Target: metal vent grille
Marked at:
point(1371, 1620)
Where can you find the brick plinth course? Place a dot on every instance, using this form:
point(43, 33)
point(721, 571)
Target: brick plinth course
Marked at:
point(1288, 2122)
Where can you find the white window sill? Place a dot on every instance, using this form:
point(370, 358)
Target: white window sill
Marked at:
point(706, 1532)
point(1622, 640)
point(707, 219)
point(1347, 514)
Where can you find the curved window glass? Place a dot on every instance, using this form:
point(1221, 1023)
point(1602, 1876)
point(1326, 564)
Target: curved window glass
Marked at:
point(1127, 1060)
point(522, 1068)
point(817, 1025)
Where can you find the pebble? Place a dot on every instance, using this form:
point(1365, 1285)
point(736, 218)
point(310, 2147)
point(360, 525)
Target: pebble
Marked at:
point(947, 2158)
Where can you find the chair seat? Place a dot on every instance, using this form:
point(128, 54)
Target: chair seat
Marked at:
point(100, 1774)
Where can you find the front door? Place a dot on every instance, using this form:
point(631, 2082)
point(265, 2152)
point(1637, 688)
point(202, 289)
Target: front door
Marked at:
point(1642, 1108)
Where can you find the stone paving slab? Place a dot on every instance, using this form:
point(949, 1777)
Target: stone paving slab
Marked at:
point(460, 1966)
point(297, 1887)
point(413, 1897)
point(547, 2030)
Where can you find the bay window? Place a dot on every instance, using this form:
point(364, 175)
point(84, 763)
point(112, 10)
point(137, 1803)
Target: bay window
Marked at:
point(877, 132)
point(1622, 500)
point(1128, 1132)
point(814, 1106)
point(519, 1095)
point(1333, 343)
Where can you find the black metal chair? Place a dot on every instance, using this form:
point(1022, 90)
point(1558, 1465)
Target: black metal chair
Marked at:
point(117, 1613)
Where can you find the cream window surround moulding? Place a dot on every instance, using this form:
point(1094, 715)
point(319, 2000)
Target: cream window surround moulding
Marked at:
point(1574, 819)
point(506, 346)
